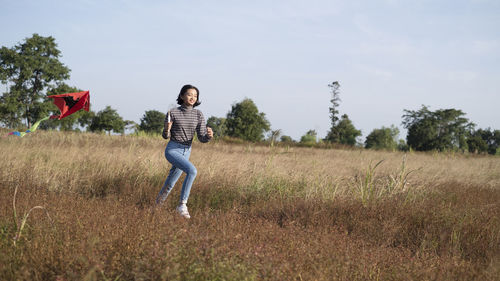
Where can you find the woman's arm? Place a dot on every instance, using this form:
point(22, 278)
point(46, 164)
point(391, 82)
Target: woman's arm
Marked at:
point(204, 133)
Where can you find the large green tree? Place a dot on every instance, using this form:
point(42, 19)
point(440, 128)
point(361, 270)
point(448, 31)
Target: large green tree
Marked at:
point(152, 121)
point(442, 130)
point(383, 138)
point(108, 120)
point(246, 122)
point(29, 69)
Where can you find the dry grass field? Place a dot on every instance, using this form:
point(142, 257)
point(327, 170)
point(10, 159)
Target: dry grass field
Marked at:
point(258, 213)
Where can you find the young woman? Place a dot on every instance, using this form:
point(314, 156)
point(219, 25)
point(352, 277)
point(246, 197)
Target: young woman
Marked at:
point(180, 125)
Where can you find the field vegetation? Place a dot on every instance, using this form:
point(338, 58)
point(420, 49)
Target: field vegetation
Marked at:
point(258, 212)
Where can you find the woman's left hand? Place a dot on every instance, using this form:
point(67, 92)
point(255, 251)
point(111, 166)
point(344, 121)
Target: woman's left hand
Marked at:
point(210, 133)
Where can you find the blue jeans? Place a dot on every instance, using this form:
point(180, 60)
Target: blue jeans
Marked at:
point(178, 155)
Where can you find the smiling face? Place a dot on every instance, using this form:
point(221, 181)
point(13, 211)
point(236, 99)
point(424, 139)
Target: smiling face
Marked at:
point(190, 97)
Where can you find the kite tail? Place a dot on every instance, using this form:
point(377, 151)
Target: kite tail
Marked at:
point(35, 126)
point(30, 130)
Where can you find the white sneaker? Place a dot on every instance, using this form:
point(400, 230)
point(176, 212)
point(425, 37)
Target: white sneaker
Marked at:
point(182, 209)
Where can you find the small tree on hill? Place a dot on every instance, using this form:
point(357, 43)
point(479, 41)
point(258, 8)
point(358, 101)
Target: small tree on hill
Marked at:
point(152, 121)
point(309, 138)
point(347, 133)
point(384, 138)
point(107, 120)
point(286, 139)
point(246, 122)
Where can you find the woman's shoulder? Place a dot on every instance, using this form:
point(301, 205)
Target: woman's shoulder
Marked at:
point(198, 112)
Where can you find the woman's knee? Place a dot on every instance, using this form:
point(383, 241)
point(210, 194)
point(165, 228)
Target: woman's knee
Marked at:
point(192, 170)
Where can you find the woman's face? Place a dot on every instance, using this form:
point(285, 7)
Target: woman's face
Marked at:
point(190, 97)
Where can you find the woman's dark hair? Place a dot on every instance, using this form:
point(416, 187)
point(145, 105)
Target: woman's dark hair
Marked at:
point(184, 90)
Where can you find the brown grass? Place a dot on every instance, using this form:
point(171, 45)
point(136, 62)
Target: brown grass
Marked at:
point(280, 213)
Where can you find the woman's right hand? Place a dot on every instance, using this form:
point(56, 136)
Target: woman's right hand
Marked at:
point(210, 133)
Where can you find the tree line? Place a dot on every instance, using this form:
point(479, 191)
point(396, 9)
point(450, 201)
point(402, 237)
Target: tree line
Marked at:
point(31, 71)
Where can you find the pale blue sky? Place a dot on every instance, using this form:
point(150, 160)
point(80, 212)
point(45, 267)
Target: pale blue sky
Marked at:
point(388, 55)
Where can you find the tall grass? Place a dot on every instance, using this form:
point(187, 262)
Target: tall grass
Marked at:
point(22, 223)
point(257, 212)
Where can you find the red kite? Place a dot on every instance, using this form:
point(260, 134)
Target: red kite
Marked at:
point(71, 103)
point(67, 104)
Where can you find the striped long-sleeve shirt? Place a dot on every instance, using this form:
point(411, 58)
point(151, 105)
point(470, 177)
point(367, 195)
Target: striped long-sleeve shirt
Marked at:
point(186, 121)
